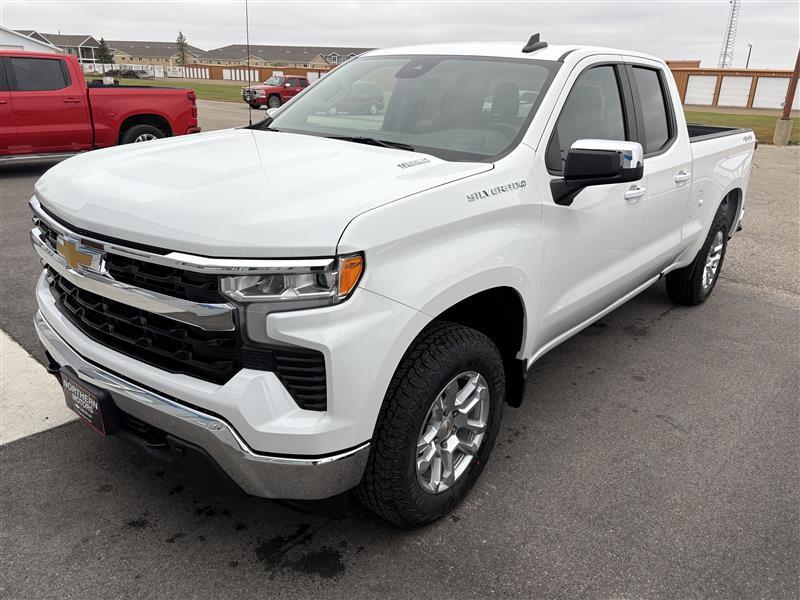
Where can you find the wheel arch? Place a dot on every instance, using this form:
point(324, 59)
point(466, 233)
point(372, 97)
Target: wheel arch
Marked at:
point(154, 119)
point(733, 198)
point(499, 313)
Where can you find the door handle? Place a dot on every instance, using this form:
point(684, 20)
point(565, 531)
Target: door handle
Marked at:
point(634, 192)
point(3, 101)
point(71, 101)
point(682, 176)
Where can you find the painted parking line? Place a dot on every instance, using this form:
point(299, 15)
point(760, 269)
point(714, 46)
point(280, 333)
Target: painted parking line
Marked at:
point(31, 400)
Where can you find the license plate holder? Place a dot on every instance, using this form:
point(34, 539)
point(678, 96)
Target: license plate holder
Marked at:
point(92, 404)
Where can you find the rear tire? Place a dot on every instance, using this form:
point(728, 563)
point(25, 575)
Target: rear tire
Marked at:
point(693, 284)
point(395, 485)
point(141, 133)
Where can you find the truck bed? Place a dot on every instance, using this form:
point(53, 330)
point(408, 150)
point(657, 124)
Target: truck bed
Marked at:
point(698, 132)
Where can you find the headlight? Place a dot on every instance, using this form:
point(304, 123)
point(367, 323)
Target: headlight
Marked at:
point(310, 285)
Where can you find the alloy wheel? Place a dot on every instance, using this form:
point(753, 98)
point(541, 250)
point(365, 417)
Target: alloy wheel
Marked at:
point(452, 432)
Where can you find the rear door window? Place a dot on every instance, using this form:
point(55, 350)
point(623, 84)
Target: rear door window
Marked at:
point(653, 108)
point(37, 74)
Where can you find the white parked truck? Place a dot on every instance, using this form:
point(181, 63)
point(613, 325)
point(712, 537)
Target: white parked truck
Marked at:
point(333, 300)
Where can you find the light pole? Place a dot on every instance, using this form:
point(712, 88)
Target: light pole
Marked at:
point(749, 50)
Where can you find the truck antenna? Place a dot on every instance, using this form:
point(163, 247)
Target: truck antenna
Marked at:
point(247, 40)
point(534, 44)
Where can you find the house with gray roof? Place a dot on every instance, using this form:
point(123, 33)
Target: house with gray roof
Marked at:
point(83, 46)
point(280, 56)
point(151, 53)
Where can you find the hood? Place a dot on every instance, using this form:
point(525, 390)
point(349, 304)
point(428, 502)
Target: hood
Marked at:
point(238, 192)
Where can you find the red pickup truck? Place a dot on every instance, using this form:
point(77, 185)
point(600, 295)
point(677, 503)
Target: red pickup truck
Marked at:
point(47, 108)
point(275, 91)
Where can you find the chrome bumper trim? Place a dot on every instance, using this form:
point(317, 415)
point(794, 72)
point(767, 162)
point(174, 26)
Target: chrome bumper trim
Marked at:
point(295, 478)
point(191, 262)
point(210, 317)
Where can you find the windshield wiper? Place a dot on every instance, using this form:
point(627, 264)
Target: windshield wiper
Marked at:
point(358, 139)
point(264, 125)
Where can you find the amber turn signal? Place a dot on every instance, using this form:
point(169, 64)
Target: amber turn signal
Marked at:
point(350, 269)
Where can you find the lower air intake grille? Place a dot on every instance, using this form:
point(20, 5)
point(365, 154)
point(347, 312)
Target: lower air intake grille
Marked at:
point(213, 356)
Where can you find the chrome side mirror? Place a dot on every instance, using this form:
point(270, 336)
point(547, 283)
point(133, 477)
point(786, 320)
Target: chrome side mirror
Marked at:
point(597, 162)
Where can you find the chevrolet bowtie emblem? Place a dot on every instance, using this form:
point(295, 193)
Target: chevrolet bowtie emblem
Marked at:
point(74, 257)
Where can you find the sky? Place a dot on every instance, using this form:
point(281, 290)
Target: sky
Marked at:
point(669, 29)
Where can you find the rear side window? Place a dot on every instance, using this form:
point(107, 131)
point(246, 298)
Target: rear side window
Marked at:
point(593, 110)
point(37, 74)
point(653, 105)
point(304, 83)
point(3, 82)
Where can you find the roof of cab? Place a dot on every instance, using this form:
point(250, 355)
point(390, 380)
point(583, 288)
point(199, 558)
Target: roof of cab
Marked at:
point(505, 50)
point(33, 54)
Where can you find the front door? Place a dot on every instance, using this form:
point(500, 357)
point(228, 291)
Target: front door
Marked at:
point(51, 111)
point(291, 88)
point(592, 249)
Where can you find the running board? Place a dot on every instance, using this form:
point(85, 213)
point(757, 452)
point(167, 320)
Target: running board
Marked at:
point(581, 326)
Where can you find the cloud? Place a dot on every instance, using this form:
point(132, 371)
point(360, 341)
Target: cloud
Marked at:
point(677, 29)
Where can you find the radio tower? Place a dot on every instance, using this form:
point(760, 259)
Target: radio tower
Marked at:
point(729, 39)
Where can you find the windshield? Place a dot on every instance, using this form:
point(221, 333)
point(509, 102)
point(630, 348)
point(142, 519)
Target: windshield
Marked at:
point(274, 80)
point(454, 107)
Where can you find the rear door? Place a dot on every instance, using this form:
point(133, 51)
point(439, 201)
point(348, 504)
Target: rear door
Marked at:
point(667, 162)
point(50, 109)
point(8, 130)
point(591, 248)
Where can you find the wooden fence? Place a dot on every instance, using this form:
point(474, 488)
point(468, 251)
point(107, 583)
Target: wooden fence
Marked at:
point(741, 88)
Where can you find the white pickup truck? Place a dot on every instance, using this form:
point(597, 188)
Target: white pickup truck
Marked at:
point(327, 301)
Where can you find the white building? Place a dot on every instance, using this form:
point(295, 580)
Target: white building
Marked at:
point(13, 40)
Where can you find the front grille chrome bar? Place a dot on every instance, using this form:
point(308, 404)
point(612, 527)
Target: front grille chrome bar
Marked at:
point(210, 317)
point(191, 262)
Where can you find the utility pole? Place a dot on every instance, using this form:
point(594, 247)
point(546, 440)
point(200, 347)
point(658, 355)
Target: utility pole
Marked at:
point(783, 128)
point(749, 50)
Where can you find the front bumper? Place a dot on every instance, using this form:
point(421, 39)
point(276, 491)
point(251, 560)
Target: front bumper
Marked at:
point(269, 476)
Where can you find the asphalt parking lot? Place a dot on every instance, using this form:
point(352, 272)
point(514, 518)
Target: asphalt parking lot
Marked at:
point(655, 456)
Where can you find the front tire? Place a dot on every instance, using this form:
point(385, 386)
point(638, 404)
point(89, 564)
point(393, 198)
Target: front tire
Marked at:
point(274, 102)
point(693, 284)
point(437, 426)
